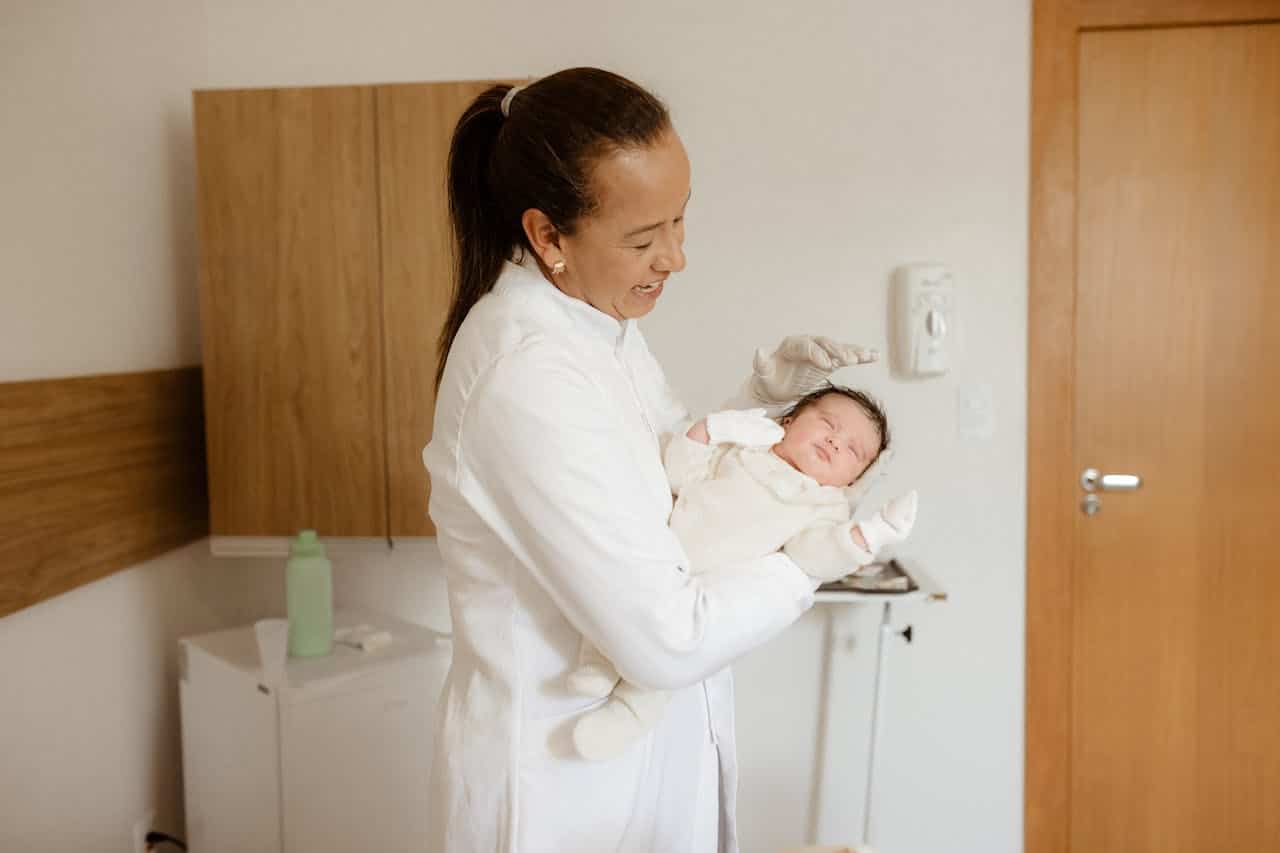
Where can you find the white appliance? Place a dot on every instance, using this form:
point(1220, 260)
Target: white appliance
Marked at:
point(924, 320)
point(336, 759)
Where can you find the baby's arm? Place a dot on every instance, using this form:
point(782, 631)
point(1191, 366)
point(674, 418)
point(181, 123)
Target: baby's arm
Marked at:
point(829, 551)
point(689, 458)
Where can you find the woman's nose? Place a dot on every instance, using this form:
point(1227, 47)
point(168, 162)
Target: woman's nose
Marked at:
point(671, 258)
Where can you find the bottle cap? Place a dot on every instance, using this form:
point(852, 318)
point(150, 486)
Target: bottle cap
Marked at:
point(307, 545)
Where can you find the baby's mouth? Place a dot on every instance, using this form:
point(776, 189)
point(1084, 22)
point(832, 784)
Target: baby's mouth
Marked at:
point(822, 451)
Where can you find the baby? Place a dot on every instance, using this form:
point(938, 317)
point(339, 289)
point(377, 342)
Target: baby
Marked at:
point(747, 486)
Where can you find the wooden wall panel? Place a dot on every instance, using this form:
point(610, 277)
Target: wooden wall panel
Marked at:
point(287, 183)
point(415, 125)
point(97, 474)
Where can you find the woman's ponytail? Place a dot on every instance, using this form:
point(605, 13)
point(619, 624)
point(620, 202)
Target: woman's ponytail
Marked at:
point(481, 240)
point(537, 154)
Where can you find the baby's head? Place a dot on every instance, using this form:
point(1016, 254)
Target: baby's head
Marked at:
point(834, 434)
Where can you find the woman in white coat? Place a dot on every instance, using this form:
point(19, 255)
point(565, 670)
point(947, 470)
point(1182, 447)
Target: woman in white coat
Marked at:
point(548, 493)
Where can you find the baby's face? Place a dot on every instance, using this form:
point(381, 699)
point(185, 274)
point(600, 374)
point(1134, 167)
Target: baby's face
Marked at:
point(833, 441)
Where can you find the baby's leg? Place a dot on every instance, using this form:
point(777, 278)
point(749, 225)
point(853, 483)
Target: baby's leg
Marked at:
point(625, 718)
point(594, 675)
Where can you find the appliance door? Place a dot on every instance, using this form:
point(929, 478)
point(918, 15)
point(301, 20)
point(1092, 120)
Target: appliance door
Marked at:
point(356, 761)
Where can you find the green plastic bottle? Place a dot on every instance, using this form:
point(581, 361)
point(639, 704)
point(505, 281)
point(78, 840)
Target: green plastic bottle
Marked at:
point(308, 584)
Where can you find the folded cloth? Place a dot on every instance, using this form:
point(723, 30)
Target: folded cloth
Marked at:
point(366, 638)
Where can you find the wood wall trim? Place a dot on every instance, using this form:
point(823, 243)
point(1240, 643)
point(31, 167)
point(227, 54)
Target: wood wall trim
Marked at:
point(1051, 511)
point(1050, 437)
point(97, 474)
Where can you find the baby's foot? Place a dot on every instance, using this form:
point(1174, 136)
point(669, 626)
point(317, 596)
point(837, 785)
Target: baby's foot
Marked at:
point(625, 718)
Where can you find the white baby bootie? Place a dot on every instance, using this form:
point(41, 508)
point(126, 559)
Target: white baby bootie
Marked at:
point(623, 720)
point(891, 524)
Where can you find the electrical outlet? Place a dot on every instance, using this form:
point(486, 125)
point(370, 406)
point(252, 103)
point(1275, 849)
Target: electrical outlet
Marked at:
point(141, 827)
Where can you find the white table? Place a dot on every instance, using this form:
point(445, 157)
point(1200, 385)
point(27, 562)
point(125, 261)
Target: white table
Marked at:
point(926, 590)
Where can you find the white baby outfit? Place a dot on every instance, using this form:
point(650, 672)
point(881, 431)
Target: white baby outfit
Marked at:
point(733, 503)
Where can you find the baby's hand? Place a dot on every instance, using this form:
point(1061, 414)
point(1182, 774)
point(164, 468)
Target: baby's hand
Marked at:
point(889, 526)
point(748, 427)
point(698, 432)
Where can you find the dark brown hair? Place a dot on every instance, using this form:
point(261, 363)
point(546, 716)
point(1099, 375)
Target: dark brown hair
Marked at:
point(541, 155)
point(870, 405)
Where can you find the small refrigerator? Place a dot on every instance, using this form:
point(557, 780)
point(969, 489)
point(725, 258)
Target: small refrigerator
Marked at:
point(335, 759)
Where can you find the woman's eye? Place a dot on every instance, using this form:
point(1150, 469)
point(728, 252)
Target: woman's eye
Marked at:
point(641, 248)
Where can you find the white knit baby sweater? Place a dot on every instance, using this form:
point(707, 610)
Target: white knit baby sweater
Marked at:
point(734, 503)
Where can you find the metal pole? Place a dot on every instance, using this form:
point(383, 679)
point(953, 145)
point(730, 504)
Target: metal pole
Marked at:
point(882, 647)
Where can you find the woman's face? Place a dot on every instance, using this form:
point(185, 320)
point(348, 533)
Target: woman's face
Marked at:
point(832, 440)
point(619, 257)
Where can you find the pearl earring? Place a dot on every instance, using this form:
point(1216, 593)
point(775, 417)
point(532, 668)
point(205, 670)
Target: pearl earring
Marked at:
point(557, 268)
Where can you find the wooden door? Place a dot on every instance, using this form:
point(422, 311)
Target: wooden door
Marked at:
point(291, 314)
point(1176, 654)
point(1153, 643)
point(415, 126)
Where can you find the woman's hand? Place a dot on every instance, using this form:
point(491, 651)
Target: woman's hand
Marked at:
point(800, 364)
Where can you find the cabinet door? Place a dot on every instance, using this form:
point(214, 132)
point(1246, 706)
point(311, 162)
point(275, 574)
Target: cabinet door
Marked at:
point(415, 125)
point(356, 763)
point(291, 311)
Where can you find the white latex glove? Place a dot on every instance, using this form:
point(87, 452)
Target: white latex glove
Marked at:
point(891, 524)
point(800, 364)
point(747, 427)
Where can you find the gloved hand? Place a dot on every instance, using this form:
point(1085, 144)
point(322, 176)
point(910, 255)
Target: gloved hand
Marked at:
point(891, 524)
point(747, 427)
point(800, 364)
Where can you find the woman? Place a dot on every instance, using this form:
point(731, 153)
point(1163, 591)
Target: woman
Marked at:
point(567, 201)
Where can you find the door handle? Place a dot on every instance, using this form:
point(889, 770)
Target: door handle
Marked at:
point(1093, 480)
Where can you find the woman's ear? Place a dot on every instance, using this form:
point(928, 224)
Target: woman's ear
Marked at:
point(543, 236)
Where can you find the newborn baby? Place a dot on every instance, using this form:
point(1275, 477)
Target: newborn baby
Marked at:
point(747, 486)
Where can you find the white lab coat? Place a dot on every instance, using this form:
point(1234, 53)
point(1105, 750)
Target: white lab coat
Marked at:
point(551, 505)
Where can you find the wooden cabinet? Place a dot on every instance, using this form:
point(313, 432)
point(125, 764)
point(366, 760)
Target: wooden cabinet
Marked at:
point(325, 275)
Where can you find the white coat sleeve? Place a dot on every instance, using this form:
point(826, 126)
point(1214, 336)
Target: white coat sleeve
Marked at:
point(541, 456)
point(826, 552)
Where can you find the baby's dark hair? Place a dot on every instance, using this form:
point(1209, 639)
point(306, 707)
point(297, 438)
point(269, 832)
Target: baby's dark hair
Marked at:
point(869, 405)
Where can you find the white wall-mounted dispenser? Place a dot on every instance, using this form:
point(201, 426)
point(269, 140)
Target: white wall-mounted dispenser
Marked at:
point(922, 306)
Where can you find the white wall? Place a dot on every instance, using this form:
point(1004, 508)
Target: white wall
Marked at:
point(830, 143)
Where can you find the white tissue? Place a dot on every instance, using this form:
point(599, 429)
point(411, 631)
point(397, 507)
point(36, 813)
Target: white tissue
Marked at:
point(366, 638)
